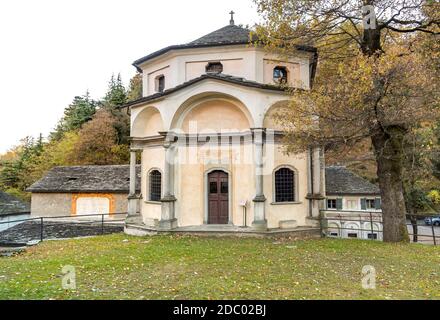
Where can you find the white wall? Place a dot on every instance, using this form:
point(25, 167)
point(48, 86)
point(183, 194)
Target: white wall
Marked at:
point(352, 203)
point(255, 102)
point(344, 224)
point(251, 63)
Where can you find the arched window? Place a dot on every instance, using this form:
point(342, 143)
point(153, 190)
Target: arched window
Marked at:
point(155, 185)
point(214, 67)
point(285, 185)
point(280, 75)
point(160, 83)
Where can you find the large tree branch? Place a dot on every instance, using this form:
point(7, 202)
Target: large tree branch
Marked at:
point(410, 30)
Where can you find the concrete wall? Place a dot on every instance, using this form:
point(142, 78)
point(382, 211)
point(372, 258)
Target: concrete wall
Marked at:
point(353, 202)
point(201, 118)
point(270, 118)
point(191, 186)
point(51, 204)
point(297, 210)
point(252, 102)
point(60, 204)
point(153, 158)
point(293, 72)
point(233, 67)
point(121, 203)
point(191, 180)
point(149, 123)
point(353, 224)
point(151, 78)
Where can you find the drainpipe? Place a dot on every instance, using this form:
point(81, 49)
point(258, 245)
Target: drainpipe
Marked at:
point(310, 177)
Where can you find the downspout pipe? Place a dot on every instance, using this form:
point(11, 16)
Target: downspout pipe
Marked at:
point(311, 180)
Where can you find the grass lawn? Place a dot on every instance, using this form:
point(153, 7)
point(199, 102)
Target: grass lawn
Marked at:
point(171, 267)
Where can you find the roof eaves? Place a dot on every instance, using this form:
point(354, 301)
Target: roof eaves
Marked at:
point(224, 78)
point(165, 50)
point(42, 190)
point(353, 193)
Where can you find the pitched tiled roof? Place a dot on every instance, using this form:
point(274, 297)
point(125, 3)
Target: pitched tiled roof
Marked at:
point(215, 76)
point(112, 179)
point(10, 204)
point(229, 35)
point(340, 181)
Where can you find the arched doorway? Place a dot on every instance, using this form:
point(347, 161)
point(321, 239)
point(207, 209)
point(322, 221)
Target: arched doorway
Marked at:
point(218, 197)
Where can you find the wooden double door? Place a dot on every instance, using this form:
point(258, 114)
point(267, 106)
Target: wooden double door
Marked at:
point(218, 197)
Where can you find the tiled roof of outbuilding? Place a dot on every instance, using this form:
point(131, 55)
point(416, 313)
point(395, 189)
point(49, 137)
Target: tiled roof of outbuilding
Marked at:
point(87, 179)
point(339, 181)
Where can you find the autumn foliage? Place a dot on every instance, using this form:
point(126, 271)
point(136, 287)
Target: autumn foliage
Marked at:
point(90, 133)
point(377, 80)
point(97, 142)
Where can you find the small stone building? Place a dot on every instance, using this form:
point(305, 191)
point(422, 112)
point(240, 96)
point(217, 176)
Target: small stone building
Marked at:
point(353, 205)
point(81, 190)
point(347, 191)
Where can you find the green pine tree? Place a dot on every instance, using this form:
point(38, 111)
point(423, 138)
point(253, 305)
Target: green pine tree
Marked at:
point(115, 98)
point(135, 88)
point(80, 111)
point(116, 95)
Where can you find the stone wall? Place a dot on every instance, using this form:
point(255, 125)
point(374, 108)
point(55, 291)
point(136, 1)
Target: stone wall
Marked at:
point(60, 204)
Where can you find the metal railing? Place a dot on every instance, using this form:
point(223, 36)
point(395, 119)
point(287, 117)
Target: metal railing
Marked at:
point(41, 228)
point(430, 235)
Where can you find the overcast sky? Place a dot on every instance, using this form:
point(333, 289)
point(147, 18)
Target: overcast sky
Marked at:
point(52, 50)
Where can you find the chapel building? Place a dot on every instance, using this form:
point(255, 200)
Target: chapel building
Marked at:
point(210, 150)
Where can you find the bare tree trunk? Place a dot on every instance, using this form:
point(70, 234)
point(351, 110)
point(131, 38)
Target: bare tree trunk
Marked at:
point(389, 153)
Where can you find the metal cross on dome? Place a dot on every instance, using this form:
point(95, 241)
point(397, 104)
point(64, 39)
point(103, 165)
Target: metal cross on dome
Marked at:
point(232, 22)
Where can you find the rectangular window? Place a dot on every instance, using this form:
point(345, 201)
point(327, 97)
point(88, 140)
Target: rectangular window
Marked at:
point(372, 236)
point(331, 204)
point(213, 187)
point(160, 83)
point(352, 235)
point(155, 185)
point(334, 234)
point(370, 204)
point(224, 187)
point(284, 185)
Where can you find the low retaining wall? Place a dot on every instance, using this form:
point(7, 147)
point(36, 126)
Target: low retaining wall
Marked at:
point(31, 231)
point(9, 220)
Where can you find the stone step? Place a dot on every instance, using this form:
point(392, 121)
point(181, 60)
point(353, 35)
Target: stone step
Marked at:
point(288, 224)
